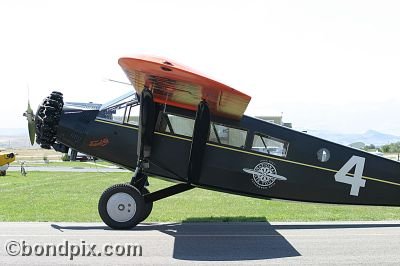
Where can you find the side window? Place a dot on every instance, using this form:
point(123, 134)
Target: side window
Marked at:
point(115, 114)
point(118, 114)
point(270, 145)
point(179, 125)
point(132, 115)
point(227, 135)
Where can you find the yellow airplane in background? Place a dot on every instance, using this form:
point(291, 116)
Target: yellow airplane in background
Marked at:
point(5, 160)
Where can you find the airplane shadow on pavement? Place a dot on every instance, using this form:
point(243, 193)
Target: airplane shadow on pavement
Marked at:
point(217, 241)
point(230, 241)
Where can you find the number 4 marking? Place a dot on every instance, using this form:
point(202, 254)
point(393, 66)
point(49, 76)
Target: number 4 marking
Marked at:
point(356, 181)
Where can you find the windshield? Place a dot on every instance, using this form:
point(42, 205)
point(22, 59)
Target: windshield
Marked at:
point(120, 109)
point(130, 96)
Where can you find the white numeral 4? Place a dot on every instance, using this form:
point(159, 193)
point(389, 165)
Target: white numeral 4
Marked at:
point(356, 181)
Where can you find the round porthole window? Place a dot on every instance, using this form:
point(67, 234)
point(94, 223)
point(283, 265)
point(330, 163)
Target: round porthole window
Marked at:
point(323, 155)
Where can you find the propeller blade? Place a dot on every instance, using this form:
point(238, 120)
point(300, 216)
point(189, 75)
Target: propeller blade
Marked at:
point(30, 116)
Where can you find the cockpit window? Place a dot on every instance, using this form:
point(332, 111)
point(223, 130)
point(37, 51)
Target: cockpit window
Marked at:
point(132, 115)
point(121, 109)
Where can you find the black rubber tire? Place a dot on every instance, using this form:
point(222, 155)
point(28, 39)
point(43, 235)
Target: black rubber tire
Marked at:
point(124, 188)
point(3, 173)
point(148, 206)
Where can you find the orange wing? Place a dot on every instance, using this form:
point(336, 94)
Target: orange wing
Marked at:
point(176, 85)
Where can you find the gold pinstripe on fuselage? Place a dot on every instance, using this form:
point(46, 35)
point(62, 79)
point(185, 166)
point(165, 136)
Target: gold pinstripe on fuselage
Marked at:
point(247, 152)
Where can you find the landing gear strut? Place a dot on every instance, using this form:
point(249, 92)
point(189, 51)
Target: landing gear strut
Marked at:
point(123, 206)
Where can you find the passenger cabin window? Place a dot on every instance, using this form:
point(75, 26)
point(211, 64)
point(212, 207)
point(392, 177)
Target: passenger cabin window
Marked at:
point(227, 135)
point(178, 125)
point(270, 145)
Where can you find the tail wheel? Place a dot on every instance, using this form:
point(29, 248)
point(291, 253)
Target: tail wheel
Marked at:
point(47, 119)
point(121, 206)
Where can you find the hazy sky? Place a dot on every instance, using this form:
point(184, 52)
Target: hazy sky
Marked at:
point(329, 65)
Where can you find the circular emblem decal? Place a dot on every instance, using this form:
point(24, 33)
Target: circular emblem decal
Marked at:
point(263, 177)
point(264, 174)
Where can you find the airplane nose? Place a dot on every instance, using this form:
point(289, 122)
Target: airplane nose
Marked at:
point(47, 119)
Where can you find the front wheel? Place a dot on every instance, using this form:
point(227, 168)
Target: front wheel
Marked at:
point(121, 206)
point(148, 206)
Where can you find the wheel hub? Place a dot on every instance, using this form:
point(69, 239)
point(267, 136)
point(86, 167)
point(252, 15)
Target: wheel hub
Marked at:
point(121, 207)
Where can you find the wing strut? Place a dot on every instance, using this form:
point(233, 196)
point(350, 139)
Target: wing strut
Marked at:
point(200, 136)
point(147, 121)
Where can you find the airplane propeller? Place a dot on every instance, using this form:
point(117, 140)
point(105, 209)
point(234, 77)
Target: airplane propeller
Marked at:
point(30, 116)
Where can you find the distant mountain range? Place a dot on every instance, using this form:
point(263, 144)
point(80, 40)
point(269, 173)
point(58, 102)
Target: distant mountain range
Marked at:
point(13, 132)
point(369, 137)
point(14, 138)
point(18, 137)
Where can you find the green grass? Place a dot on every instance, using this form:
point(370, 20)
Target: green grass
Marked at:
point(105, 163)
point(47, 196)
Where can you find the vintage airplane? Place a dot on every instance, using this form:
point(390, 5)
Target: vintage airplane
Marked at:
point(5, 160)
point(192, 130)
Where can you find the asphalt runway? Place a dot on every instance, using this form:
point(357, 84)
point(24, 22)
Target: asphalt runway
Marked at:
point(343, 243)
